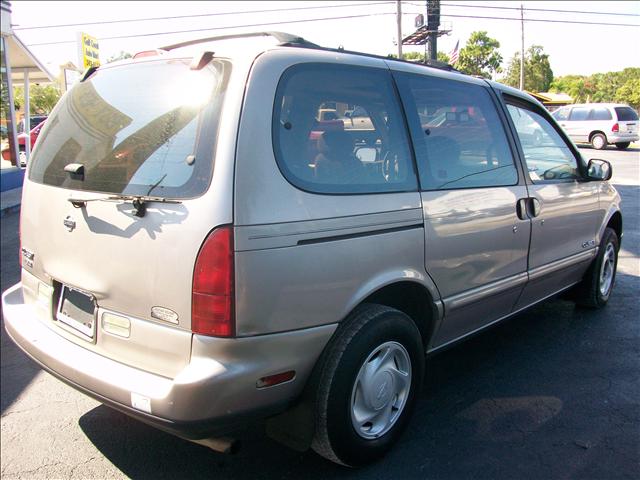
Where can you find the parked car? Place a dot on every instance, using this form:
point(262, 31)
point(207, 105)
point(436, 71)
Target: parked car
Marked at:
point(22, 142)
point(34, 121)
point(599, 124)
point(193, 257)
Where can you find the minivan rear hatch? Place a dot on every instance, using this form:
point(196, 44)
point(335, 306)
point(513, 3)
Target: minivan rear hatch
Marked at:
point(627, 120)
point(112, 215)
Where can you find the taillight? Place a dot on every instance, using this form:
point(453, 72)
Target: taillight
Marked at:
point(615, 128)
point(212, 311)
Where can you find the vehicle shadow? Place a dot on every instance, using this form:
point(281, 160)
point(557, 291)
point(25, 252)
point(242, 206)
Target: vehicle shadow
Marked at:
point(609, 147)
point(17, 369)
point(514, 402)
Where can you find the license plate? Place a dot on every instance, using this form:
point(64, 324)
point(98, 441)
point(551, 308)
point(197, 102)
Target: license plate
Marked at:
point(77, 309)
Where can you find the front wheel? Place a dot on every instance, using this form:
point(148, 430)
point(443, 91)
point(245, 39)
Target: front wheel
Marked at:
point(367, 385)
point(599, 141)
point(622, 145)
point(597, 285)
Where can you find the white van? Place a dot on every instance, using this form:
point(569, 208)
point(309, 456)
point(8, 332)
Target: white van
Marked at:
point(599, 124)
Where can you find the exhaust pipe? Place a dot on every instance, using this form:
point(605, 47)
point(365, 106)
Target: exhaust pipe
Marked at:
point(220, 444)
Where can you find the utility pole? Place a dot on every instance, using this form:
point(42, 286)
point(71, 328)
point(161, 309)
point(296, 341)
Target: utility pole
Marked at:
point(433, 23)
point(522, 48)
point(399, 25)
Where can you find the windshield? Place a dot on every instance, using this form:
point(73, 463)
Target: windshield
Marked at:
point(135, 129)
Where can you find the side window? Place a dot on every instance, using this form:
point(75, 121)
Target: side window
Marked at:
point(600, 113)
point(339, 129)
point(561, 114)
point(546, 154)
point(459, 139)
point(579, 113)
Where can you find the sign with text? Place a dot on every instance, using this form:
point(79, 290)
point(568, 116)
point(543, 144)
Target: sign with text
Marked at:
point(88, 51)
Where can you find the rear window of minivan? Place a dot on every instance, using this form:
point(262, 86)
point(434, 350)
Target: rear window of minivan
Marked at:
point(136, 130)
point(626, 114)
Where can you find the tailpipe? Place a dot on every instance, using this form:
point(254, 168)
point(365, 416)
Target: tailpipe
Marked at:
point(220, 444)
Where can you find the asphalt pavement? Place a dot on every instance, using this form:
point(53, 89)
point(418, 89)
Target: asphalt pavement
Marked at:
point(552, 393)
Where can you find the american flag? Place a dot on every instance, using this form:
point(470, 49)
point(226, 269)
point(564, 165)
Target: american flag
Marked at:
point(453, 54)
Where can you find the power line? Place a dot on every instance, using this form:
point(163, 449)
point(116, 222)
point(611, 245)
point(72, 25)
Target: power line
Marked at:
point(219, 28)
point(531, 9)
point(543, 20)
point(174, 17)
point(334, 18)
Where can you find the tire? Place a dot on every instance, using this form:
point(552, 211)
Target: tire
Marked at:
point(623, 145)
point(599, 141)
point(597, 285)
point(374, 364)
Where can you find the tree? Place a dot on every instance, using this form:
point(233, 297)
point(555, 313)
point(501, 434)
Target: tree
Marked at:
point(480, 56)
point(629, 93)
point(419, 57)
point(120, 56)
point(619, 87)
point(42, 98)
point(537, 70)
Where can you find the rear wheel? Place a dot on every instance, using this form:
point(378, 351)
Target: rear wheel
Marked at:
point(368, 385)
point(596, 287)
point(599, 141)
point(622, 145)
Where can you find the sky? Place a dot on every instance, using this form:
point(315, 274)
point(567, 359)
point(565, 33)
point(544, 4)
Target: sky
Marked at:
point(580, 49)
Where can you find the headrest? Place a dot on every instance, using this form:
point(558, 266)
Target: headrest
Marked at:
point(335, 143)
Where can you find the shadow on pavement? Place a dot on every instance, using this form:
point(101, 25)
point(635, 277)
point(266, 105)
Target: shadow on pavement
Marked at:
point(514, 402)
point(17, 369)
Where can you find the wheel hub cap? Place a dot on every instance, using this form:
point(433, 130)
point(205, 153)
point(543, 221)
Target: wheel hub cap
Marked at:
point(381, 390)
point(607, 269)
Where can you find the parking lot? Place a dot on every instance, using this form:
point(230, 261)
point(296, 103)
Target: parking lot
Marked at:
point(552, 393)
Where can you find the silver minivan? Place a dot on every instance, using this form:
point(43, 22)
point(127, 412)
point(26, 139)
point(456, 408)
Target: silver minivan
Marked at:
point(199, 250)
point(599, 124)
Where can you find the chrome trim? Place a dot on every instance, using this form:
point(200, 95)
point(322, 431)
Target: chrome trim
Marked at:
point(549, 268)
point(505, 317)
point(471, 296)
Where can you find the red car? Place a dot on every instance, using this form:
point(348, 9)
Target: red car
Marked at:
point(22, 138)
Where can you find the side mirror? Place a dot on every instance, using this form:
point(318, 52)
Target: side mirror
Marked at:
point(599, 170)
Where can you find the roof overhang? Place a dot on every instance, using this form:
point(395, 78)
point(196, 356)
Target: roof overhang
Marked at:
point(22, 60)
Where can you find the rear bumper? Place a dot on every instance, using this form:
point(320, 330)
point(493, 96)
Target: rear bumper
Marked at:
point(622, 138)
point(215, 392)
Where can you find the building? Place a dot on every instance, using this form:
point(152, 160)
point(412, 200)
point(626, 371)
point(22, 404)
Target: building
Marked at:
point(18, 64)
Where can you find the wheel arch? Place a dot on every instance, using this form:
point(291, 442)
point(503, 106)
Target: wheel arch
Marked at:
point(592, 134)
point(615, 223)
point(414, 300)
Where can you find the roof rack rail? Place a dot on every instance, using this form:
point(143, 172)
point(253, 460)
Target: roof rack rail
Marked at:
point(282, 37)
point(426, 63)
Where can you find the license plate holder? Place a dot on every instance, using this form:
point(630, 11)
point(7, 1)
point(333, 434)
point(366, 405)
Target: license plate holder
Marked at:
point(77, 309)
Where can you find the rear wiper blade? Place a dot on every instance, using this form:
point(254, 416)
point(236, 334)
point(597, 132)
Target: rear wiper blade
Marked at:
point(139, 201)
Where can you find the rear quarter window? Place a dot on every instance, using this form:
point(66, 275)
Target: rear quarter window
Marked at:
point(361, 148)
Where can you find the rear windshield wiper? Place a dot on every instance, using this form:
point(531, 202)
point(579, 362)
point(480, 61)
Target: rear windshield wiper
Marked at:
point(139, 201)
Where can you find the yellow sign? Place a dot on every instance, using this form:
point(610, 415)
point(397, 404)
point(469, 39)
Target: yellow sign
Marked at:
point(89, 51)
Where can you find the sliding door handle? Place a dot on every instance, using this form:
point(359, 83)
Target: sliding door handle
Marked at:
point(521, 208)
point(536, 207)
